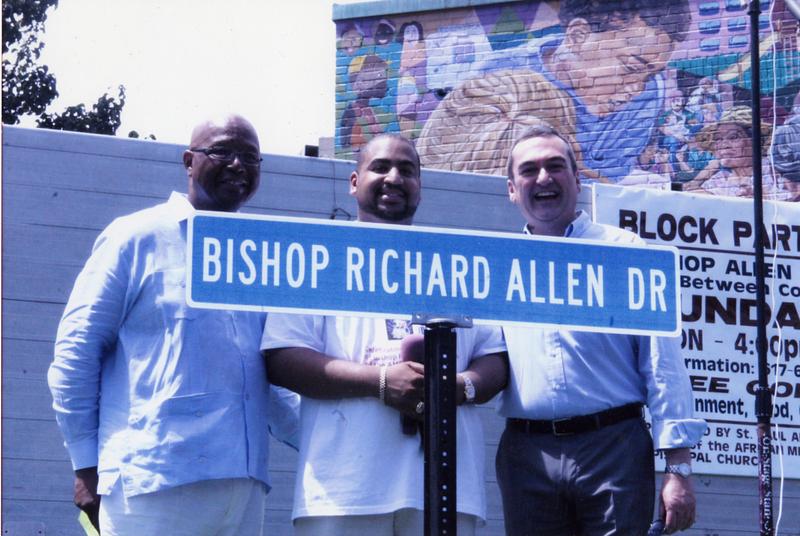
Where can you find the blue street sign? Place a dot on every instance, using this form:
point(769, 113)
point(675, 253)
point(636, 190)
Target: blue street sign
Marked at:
point(264, 263)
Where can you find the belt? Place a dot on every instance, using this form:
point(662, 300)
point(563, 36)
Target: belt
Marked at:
point(580, 424)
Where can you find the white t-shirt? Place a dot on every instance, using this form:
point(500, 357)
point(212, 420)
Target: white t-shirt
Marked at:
point(354, 458)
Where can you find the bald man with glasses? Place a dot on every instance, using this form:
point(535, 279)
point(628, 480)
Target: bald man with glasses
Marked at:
point(165, 409)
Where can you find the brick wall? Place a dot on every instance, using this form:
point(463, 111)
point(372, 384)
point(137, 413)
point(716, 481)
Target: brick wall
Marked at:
point(650, 94)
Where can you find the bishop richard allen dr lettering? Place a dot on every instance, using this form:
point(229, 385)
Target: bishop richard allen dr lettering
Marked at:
point(421, 273)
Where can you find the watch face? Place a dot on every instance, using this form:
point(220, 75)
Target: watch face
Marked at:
point(682, 469)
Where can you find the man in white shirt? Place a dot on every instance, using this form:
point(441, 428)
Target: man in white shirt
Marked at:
point(576, 457)
point(358, 473)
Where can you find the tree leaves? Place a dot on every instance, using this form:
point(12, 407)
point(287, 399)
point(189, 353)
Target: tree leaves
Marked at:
point(29, 88)
point(23, 16)
point(103, 118)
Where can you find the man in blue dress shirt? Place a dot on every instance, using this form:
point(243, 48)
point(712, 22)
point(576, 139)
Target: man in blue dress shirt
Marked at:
point(576, 456)
point(165, 409)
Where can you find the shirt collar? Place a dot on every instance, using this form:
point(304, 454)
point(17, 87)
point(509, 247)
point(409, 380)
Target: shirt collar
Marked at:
point(179, 206)
point(577, 227)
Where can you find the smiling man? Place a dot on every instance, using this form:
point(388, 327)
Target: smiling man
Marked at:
point(358, 472)
point(224, 164)
point(576, 457)
point(386, 182)
point(165, 409)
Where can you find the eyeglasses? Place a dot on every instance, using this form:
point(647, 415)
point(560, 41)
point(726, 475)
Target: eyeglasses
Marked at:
point(227, 156)
point(733, 136)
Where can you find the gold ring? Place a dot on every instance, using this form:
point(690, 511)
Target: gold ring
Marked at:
point(420, 407)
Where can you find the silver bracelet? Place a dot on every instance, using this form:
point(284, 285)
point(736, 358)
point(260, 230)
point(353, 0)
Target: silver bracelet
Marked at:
point(382, 384)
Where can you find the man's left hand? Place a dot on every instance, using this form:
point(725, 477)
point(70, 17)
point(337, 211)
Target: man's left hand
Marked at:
point(677, 503)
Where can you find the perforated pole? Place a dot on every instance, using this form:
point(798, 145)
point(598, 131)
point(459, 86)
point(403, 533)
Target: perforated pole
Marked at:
point(440, 429)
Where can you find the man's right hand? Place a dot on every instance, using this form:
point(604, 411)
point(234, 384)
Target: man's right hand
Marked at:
point(405, 387)
point(85, 494)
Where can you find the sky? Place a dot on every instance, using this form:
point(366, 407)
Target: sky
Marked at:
point(180, 61)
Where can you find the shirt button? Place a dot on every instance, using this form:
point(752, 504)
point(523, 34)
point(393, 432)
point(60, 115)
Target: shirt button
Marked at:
point(201, 459)
point(198, 413)
point(247, 396)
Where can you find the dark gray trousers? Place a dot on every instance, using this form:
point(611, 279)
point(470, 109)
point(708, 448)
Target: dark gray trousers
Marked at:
point(591, 484)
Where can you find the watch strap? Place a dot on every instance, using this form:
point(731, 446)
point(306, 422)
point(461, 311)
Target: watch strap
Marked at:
point(681, 469)
point(469, 390)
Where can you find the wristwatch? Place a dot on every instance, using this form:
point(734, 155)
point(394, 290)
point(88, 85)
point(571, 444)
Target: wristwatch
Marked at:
point(682, 469)
point(469, 390)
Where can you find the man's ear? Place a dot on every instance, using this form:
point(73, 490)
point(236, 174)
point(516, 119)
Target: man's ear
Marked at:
point(512, 191)
point(577, 33)
point(353, 182)
point(188, 156)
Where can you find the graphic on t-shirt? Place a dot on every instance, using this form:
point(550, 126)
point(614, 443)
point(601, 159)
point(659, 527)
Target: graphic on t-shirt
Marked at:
point(387, 351)
point(398, 329)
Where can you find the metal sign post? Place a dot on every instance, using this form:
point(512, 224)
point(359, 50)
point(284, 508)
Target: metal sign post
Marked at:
point(441, 363)
point(763, 395)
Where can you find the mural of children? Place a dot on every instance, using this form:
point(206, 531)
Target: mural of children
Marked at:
point(351, 39)
point(691, 159)
point(411, 85)
point(677, 125)
point(618, 92)
point(705, 101)
point(475, 125)
point(786, 153)
point(730, 172)
point(413, 54)
point(384, 32)
point(791, 188)
point(367, 77)
point(653, 169)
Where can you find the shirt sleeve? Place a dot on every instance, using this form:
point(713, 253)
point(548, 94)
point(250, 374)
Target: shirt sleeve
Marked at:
point(669, 394)
point(87, 331)
point(284, 330)
point(487, 340)
point(284, 415)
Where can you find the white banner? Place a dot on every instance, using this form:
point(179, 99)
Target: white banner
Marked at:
point(718, 293)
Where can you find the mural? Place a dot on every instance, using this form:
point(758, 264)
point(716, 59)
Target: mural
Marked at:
point(650, 93)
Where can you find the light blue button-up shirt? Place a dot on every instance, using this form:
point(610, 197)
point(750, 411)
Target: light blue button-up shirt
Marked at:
point(557, 373)
point(150, 390)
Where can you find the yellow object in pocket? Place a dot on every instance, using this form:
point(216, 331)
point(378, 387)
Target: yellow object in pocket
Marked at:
point(83, 519)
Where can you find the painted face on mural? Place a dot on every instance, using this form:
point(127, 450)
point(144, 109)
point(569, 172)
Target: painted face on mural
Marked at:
point(384, 32)
point(217, 184)
point(648, 156)
point(370, 82)
point(543, 185)
point(732, 146)
point(351, 41)
point(386, 184)
point(608, 69)
point(410, 33)
point(793, 189)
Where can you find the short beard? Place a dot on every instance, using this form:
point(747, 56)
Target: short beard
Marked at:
point(392, 216)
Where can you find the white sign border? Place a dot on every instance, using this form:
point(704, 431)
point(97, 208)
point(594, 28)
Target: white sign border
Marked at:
point(425, 229)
